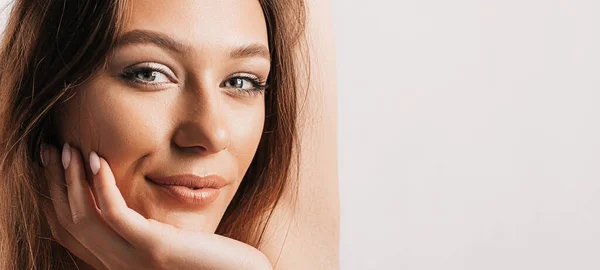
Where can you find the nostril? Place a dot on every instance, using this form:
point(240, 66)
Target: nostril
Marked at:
point(189, 149)
point(203, 138)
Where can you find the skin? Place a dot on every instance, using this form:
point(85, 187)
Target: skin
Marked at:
point(198, 111)
point(106, 234)
point(309, 220)
point(185, 120)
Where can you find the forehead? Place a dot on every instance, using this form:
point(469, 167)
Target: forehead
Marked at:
point(201, 22)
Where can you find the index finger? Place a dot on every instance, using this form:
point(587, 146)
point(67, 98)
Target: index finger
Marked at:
point(125, 221)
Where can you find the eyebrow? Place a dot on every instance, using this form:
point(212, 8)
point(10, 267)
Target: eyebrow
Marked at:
point(166, 42)
point(252, 50)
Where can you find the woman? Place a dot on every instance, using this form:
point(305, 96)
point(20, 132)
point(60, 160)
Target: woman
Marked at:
point(143, 134)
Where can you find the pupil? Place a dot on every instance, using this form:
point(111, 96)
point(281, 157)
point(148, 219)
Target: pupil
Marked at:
point(238, 83)
point(147, 75)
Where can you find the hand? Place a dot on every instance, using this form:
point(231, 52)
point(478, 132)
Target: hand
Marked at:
point(102, 231)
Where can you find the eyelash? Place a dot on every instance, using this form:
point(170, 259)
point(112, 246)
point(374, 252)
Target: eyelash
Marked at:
point(259, 86)
point(129, 74)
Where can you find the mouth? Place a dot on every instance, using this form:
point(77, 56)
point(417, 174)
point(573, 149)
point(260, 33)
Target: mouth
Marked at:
point(190, 189)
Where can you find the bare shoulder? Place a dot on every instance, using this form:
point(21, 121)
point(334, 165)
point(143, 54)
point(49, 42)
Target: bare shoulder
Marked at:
point(305, 234)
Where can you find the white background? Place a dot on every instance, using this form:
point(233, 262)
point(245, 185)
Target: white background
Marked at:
point(469, 133)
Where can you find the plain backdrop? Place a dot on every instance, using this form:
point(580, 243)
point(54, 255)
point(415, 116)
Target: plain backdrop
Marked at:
point(469, 133)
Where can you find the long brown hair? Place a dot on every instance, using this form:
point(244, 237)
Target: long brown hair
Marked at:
point(51, 47)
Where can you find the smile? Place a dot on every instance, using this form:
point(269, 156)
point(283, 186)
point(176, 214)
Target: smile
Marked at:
point(190, 189)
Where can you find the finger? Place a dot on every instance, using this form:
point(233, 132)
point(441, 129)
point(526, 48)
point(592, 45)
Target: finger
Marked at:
point(54, 173)
point(58, 211)
point(81, 201)
point(87, 227)
point(125, 221)
point(65, 239)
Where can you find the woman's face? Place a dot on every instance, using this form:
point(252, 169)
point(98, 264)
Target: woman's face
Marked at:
point(181, 95)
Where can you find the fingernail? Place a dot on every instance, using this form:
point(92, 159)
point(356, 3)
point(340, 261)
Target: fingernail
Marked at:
point(66, 156)
point(44, 155)
point(94, 162)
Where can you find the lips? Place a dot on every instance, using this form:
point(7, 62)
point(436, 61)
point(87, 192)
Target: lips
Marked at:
point(190, 189)
point(191, 181)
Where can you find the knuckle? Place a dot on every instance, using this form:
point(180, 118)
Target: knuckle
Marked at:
point(79, 218)
point(63, 221)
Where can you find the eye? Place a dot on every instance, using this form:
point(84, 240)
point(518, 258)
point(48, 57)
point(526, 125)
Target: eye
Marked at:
point(240, 83)
point(245, 84)
point(148, 73)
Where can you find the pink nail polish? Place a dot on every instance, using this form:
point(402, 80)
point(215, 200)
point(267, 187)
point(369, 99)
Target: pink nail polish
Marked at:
point(66, 156)
point(94, 162)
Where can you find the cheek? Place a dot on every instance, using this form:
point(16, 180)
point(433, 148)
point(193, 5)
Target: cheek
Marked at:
point(246, 130)
point(123, 127)
point(119, 127)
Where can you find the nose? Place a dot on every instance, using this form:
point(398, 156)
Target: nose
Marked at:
point(204, 128)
